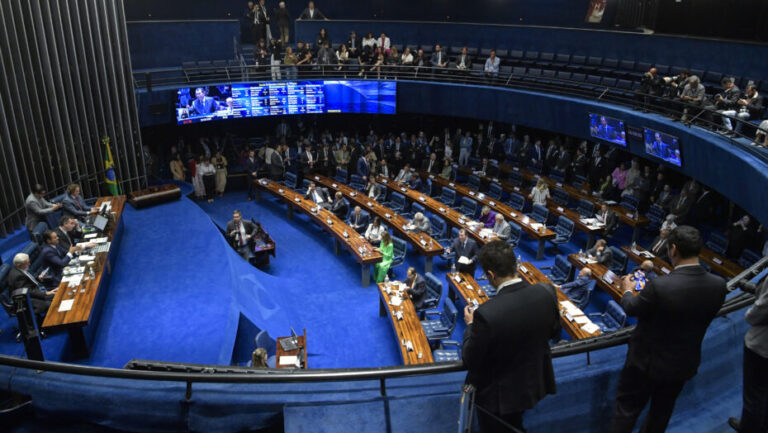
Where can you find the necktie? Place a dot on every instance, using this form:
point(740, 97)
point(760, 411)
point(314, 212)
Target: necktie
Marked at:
point(31, 278)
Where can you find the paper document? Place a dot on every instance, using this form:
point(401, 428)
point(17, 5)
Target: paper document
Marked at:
point(73, 280)
point(86, 258)
point(486, 233)
point(90, 236)
point(464, 260)
point(66, 305)
point(581, 320)
point(590, 328)
point(395, 301)
point(568, 305)
point(288, 360)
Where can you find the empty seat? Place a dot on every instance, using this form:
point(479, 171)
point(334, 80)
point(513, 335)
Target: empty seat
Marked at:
point(619, 262)
point(516, 201)
point(563, 230)
point(540, 213)
point(396, 202)
point(585, 208)
point(473, 182)
point(495, 191)
point(560, 196)
point(290, 180)
point(447, 196)
point(561, 270)
point(515, 233)
point(437, 227)
point(717, 242)
point(439, 325)
point(656, 216)
point(434, 291)
point(356, 182)
point(468, 207)
point(612, 319)
point(448, 351)
point(748, 258)
point(399, 248)
point(515, 178)
point(341, 175)
point(629, 202)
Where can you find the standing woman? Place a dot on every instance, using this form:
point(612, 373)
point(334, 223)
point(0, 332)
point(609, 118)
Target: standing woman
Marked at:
point(197, 177)
point(207, 174)
point(387, 251)
point(177, 167)
point(221, 172)
point(540, 193)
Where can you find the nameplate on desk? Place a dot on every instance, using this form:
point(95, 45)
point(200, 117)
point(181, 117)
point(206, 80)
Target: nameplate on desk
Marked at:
point(334, 185)
point(716, 260)
point(495, 179)
point(399, 315)
point(297, 200)
point(523, 269)
point(559, 184)
point(384, 181)
point(514, 215)
point(665, 270)
point(431, 176)
point(403, 189)
point(263, 182)
point(317, 177)
point(442, 209)
point(472, 193)
point(517, 188)
point(630, 215)
point(90, 236)
point(560, 209)
point(423, 242)
point(281, 191)
point(388, 215)
point(352, 194)
point(370, 204)
point(451, 184)
point(584, 191)
point(346, 235)
point(492, 203)
point(329, 222)
point(537, 176)
point(516, 168)
point(422, 199)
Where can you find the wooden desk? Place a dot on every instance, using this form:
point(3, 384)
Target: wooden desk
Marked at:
point(154, 195)
point(422, 242)
point(598, 271)
point(355, 243)
point(659, 266)
point(467, 290)
point(302, 341)
point(530, 273)
point(89, 295)
point(407, 329)
point(262, 253)
point(451, 216)
point(509, 214)
point(720, 264)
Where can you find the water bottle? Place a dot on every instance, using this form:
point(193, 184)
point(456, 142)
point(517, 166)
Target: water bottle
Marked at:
point(386, 280)
point(581, 253)
point(453, 268)
point(519, 259)
point(634, 246)
point(430, 243)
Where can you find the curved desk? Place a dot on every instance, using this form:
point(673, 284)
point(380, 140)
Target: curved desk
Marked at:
point(406, 324)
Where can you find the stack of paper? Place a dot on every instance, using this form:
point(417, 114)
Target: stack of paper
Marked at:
point(288, 360)
point(66, 305)
point(73, 280)
point(395, 301)
point(590, 328)
point(484, 233)
point(582, 320)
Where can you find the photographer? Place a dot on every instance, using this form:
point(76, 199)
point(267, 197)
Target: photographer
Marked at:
point(754, 414)
point(651, 86)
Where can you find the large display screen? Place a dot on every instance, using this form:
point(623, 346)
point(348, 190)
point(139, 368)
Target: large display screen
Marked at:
point(663, 146)
point(608, 129)
point(202, 104)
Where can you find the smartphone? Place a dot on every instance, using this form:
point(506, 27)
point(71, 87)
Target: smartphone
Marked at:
point(639, 278)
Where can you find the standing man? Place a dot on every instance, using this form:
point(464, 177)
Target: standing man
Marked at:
point(673, 313)
point(239, 234)
point(252, 168)
point(37, 207)
point(277, 164)
point(283, 19)
point(506, 343)
point(312, 13)
point(466, 253)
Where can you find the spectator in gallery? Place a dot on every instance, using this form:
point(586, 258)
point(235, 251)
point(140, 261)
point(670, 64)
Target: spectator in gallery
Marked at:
point(387, 252)
point(326, 57)
point(354, 45)
point(275, 55)
point(406, 59)
point(419, 61)
point(283, 20)
point(305, 57)
point(369, 41)
point(464, 61)
point(651, 87)
point(693, 94)
point(261, 57)
point(749, 106)
point(322, 39)
point(220, 163)
point(312, 13)
point(726, 100)
point(761, 136)
point(492, 65)
point(384, 43)
point(438, 60)
point(342, 58)
point(377, 65)
point(177, 168)
point(290, 62)
point(392, 60)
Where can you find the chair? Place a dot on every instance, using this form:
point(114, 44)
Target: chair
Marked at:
point(515, 178)
point(399, 248)
point(717, 242)
point(585, 208)
point(747, 258)
point(5, 295)
point(515, 233)
point(495, 191)
point(415, 208)
point(619, 262)
point(468, 207)
point(473, 182)
point(560, 197)
point(448, 242)
point(590, 288)
point(290, 180)
point(37, 233)
point(612, 319)
point(396, 202)
point(426, 187)
point(447, 197)
point(561, 270)
point(516, 201)
point(629, 202)
point(540, 213)
point(563, 230)
point(33, 251)
point(437, 227)
point(434, 292)
point(356, 182)
point(439, 325)
point(341, 175)
point(656, 216)
point(305, 186)
point(578, 180)
point(557, 175)
point(443, 354)
point(266, 342)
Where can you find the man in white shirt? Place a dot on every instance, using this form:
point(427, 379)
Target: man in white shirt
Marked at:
point(404, 175)
point(318, 195)
point(492, 65)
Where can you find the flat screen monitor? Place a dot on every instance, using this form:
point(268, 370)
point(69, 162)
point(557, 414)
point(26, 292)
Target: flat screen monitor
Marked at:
point(662, 146)
point(203, 104)
point(100, 223)
point(608, 129)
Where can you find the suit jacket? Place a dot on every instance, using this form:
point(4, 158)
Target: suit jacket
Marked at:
point(421, 227)
point(373, 192)
point(604, 258)
point(67, 240)
point(417, 288)
point(403, 176)
point(358, 223)
point(437, 165)
point(681, 206)
point(438, 59)
point(659, 248)
point(305, 15)
point(577, 289)
point(36, 211)
point(506, 348)
point(363, 168)
point(322, 192)
point(235, 240)
point(469, 250)
point(18, 279)
point(276, 165)
point(340, 208)
point(252, 166)
point(74, 207)
point(609, 219)
point(503, 230)
point(673, 313)
point(207, 106)
point(55, 258)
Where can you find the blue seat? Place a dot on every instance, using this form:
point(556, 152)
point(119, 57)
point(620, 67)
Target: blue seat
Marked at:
point(590, 288)
point(612, 319)
point(434, 292)
point(473, 161)
point(290, 180)
point(630, 202)
point(439, 325)
point(426, 187)
point(563, 230)
point(399, 248)
point(437, 227)
point(585, 208)
point(305, 186)
point(619, 263)
point(396, 202)
point(515, 178)
point(495, 191)
point(560, 197)
point(655, 215)
point(33, 250)
point(557, 175)
point(447, 242)
point(266, 342)
point(356, 182)
point(37, 232)
point(540, 214)
point(415, 208)
point(341, 175)
point(516, 201)
point(473, 182)
point(448, 351)
point(717, 242)
point(468, 207)
point(561, 270)
point(447, 197)
point(748, 258)
point(515, 233)
point(578, 180)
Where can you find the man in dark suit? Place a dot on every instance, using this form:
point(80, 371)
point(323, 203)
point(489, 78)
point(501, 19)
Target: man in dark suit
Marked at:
point(251, 167)
point(372, 190)
point(486, 168)
point(312, 13)
point(681, 207)
point(55, 257)
point(416, 287)
point(308, 160)
point(68, 232)
point(608, 218)
point(466, 248)
point(73, 204)
point(202, 105)
point(363, 167)
point(319, 196)
point(597, 170)
point(432, 165)
point(239, 234)
point(327, 164)
point(601, 253)
point(20, 277)
point(358, 220)
point(506, 343)
point(353, 45)
point(578, 289)
point(277, 164)
point(340, 206)
point(563, 160)
point(659, 245)
point(536, 156)
point(673, 313)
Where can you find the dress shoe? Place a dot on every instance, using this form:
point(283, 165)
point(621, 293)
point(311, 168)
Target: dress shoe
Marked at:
point(735, 423)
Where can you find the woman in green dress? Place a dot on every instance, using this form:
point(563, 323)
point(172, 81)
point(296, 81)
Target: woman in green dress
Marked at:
point(386, 250)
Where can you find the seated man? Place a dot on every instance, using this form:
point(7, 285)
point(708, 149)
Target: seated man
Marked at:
point(55, 257)
point(358, 220)
point(239, 234)
point(659, 245)
point(608, 218)
point(319, 196)
point(416, 288)
point(601, 253)
point(439, 59)
point(501, 228)
point(19, 277)
point(340, 206)
point(404, 175)
point(576, 290)
point(74, 205)
point(761, 135)
point(419, 223)
point(68, 232)
point(750, 106)
point(372, 190)
point(647, 268)
point(486, 169)
point(37, 207)
point(466, 253)
point(491, 67)
point(432, 165)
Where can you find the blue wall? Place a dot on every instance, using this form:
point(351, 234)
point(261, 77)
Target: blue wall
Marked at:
point(169, 43)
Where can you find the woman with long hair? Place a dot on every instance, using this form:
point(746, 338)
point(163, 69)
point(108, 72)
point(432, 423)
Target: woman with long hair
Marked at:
point(387, 251)
point(540, 193)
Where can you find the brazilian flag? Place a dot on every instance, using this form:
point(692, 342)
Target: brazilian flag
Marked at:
point(109, 169)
